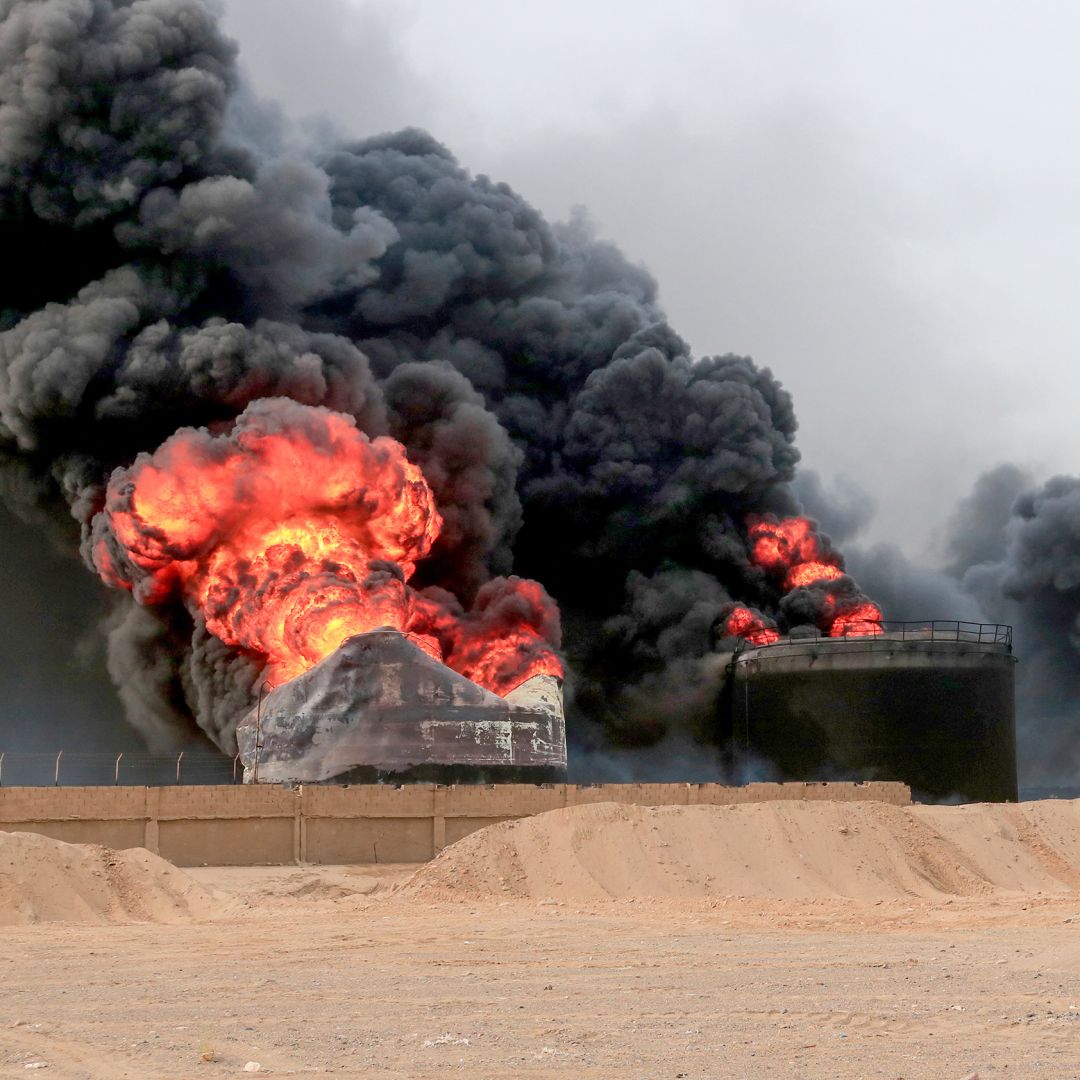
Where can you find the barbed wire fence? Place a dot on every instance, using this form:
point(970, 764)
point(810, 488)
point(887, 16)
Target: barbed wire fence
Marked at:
point(64, 768)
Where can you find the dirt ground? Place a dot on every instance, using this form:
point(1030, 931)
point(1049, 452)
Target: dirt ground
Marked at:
point(329, 970)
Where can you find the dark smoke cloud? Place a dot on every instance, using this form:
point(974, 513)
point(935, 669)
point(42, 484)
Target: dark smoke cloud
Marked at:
point(471, 464)
point(1016, 549)
point(105, 102)
point(57, 693)
point(171, 260)
point(978, 530)
point(146, 653)
point(1012, 555)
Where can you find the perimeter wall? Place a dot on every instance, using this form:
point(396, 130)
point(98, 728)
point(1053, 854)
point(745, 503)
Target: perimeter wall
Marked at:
point(264, 825)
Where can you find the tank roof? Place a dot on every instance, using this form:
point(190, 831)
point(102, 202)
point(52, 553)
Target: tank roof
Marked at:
point(893, 635)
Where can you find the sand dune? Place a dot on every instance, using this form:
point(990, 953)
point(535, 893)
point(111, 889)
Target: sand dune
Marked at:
point(44, 880)
point(781, 850)
point(777, 851)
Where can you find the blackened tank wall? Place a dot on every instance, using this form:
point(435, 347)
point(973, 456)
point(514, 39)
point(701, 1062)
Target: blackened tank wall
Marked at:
point(939, 716)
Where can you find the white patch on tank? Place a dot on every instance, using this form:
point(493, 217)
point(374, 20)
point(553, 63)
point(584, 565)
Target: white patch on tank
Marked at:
point(540, 694)
point(500, 732)
point(498, 735)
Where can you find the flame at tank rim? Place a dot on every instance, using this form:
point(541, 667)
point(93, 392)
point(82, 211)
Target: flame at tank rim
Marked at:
point(558, 680)
point(417, 724)
point(951, 631)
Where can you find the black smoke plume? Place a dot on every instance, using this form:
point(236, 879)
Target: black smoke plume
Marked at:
point(1012, 555)
point(1015, 548)
point(160, 270)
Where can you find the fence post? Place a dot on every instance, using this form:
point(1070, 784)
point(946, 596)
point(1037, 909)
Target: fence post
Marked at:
point(234, 761)
point(258, 732)
point(56, 772)
point(116, 774)
point(178, 760)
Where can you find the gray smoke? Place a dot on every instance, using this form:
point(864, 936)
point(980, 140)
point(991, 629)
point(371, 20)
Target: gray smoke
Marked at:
point(170, 261)
point(1016, 549)
point(906, 590)
point(978, 530)
point(1012, 555)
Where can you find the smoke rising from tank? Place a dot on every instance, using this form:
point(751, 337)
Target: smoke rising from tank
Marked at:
point(166, 270)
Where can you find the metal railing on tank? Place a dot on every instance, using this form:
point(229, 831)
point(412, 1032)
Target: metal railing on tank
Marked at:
point(872, 631)
point(74, 768)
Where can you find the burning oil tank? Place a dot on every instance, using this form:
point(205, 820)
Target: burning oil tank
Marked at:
point(379, 708)
point(931, 704)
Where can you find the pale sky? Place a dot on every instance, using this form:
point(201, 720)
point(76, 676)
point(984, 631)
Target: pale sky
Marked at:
point(875, 200)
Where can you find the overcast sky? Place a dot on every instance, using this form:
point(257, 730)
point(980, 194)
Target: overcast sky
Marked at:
point(878, 201)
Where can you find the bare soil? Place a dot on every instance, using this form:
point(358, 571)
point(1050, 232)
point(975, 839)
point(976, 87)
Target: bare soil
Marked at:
point(923, 944)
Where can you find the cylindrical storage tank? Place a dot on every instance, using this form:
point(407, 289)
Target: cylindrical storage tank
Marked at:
point(932, 705)
point(380, 709)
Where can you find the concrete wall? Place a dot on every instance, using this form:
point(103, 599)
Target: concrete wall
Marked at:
point(263, 825)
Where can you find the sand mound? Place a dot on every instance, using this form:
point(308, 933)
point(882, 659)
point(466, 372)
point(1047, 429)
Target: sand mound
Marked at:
point(44, 880)
point(782, 850)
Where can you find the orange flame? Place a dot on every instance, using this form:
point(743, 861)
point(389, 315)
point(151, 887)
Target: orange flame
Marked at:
point(792, 547)
point(501, 643)
point(864, 620)
point(755, 628)
point(808, 572)
point(296, 531)
point(780, 545)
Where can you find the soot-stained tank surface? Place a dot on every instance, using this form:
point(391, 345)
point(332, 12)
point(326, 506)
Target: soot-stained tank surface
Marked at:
point(930, 704)
point(380, 709)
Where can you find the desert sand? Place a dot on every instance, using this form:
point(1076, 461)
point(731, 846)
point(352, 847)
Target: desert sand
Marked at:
point(44, 880)
point(779, 940)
